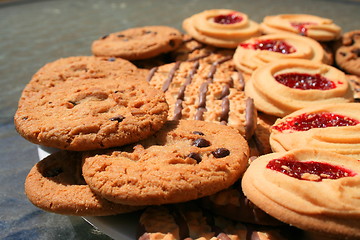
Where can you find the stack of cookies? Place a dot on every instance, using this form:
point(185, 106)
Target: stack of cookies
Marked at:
point(221, 132)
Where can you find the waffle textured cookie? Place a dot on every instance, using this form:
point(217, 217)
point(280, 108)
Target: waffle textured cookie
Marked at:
point(347, 54)
point(296, 84)
point(138, 43)
point(203, 91)
point(315, 27)
point(258, 51)
point(84, 103)
point(185, 160)
point(221, 27)
point(331, 127)
point(283, 185)
point(55, 184)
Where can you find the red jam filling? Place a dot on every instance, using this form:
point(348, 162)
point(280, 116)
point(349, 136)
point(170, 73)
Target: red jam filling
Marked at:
point(302, 27)
point(307, 121)
point(270, 45)
point(228, 19)
point(310, 171)
point(304, 81)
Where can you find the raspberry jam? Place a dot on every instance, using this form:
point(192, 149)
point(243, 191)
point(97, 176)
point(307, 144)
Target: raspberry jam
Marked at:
point(304, 81)
point(307, 121)
point(310, 171)
point(302, 27)
point(228, 19)
point(270, 45)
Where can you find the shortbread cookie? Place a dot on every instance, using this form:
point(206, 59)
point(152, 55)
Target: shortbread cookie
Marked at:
point(188, 221)
point(347, 55)
point(310, 189)
point(138, 43)
point(55, 184)
point(354, 82)
point(221, 27)
point(282, 87)
point(232, 204)
point(315, 27)
point(84, 103)
point(202, 91)
point(185, 160)
point(258, 51)
point(331, 127)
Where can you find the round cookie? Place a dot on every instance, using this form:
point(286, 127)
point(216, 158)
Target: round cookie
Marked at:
point(85, 103)
point(185, 160)
point(209, 91)
point(259, 51)
point(296, 84)
point(315, 27)
point(283, 185)
point(223, 28)
point(138, 43)
point(189, 221)
point(347, 56)
point(55, 184)
point(330, 127)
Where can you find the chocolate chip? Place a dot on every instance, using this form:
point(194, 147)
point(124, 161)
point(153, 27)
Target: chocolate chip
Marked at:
point(195, 156)
point(147, 32)
point(118, 118)
point(120, 35)
point(356, 51)
point(53, 172)
point(198, 133)
point(112, 59)
point(221, 152)
point(25, 118)
point(105, 36)
point(172, 43)
point(73, 103)
point(343, 54)
point(201, 142)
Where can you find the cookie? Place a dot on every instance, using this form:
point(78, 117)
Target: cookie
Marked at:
point(296, 84)
point(315, 27)
point(138, 43)
point(347, 55)
point(354, 82)
point(223, 28)
point(258, 51)
point(283, 185)
point(231, 203)
point(331, 127)
point(55, 184)
point(203, 91)
point(185, 160)
point(85, 103)
point(189, 221)
point(262, 133)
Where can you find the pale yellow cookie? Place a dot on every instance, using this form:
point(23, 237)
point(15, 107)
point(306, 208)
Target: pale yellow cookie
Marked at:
point(315, 27)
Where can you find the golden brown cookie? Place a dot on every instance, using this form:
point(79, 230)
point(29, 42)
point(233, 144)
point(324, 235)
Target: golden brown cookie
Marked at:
point(183, 161)
point(221, 27)
point(354, 82)
point(282, 87)
point(84, 103)
point(310, 189)
point(348, 54)
point(258, 51)
point(206, 91)
point(138, 43)
point(331, 127)
point(315, 27)
point(55, 184)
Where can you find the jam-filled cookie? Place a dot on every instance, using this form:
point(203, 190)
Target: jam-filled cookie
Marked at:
point(185, 160)
point(310, 189)
point(55, 184)
point(259, 51)
point(189, 221)
point(138, 43)
point(282, 87)
point(331, 127)
point(347, 55)
point(315, 27)
point(221, 27)
point(206, 91)
point(85, 103)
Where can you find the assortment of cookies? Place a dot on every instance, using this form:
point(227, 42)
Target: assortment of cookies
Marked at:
point(224, 131)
